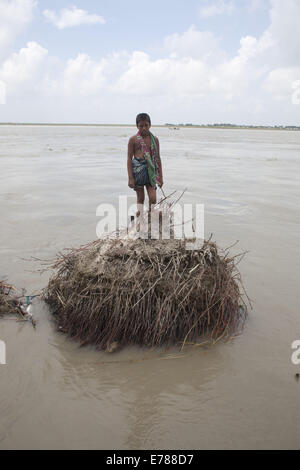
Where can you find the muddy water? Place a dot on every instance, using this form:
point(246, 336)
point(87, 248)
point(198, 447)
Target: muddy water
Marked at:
point(240, 395)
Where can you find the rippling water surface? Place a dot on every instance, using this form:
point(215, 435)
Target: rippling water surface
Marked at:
point(239, 395)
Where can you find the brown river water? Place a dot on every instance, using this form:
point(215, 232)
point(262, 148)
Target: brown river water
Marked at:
point(237, 395)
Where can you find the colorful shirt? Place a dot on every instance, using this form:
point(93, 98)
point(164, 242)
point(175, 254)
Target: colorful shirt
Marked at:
point(151, 158)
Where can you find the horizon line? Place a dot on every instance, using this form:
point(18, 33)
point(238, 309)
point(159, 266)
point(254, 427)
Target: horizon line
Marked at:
point(216, 125)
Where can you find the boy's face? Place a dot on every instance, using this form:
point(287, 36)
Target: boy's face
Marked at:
point(144, 127)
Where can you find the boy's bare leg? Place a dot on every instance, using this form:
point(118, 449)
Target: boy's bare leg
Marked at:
point(152, 195)
point(140, 194)
point(152, 201)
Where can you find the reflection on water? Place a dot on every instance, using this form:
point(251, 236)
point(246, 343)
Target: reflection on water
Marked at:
point(54, 394)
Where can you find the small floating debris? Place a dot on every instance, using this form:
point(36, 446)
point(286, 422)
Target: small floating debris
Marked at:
point(112, 347)
point(11, 304)
point(8, 301)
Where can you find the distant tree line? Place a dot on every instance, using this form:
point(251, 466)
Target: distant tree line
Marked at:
point(229, 126)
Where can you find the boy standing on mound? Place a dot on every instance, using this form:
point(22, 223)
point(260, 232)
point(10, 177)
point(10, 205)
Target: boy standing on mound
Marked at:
point(144, 163)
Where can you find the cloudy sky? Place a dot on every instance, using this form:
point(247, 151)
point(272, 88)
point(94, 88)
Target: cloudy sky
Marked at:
point(103, 61)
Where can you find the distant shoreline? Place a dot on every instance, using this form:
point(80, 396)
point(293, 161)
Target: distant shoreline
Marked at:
point(170, 126)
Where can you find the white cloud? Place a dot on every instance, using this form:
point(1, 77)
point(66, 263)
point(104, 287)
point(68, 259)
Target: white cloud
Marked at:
point(194, 43)
point(284, 29)
point(24, 68)
point(219, 7)
point(68, 18)
point(296, 92)
point(83, 76)
point(15, 15)
point(253, 48)
point(2, 92)
point(190, 72)
point(32, 70)
point(186, 76)
point(281, 82)
point(282, 57)
point(193, 78)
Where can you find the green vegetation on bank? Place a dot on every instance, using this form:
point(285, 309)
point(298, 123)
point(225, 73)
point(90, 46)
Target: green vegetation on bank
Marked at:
point(234, 126)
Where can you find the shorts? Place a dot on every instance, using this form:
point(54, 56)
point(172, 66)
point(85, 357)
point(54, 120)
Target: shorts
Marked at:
point(140, 173)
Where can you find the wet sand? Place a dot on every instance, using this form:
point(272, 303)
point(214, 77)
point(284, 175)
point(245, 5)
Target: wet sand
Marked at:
point(239, 395)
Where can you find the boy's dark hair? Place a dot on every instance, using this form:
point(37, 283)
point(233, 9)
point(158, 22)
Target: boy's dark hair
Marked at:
point(143, 117)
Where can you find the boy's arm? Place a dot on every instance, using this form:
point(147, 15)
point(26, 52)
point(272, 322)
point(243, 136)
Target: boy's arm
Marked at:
point(129, 162)
point(159, 162)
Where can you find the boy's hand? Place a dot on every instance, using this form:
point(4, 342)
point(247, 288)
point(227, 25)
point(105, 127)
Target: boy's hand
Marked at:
point(131, 183)
point(161, 184)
